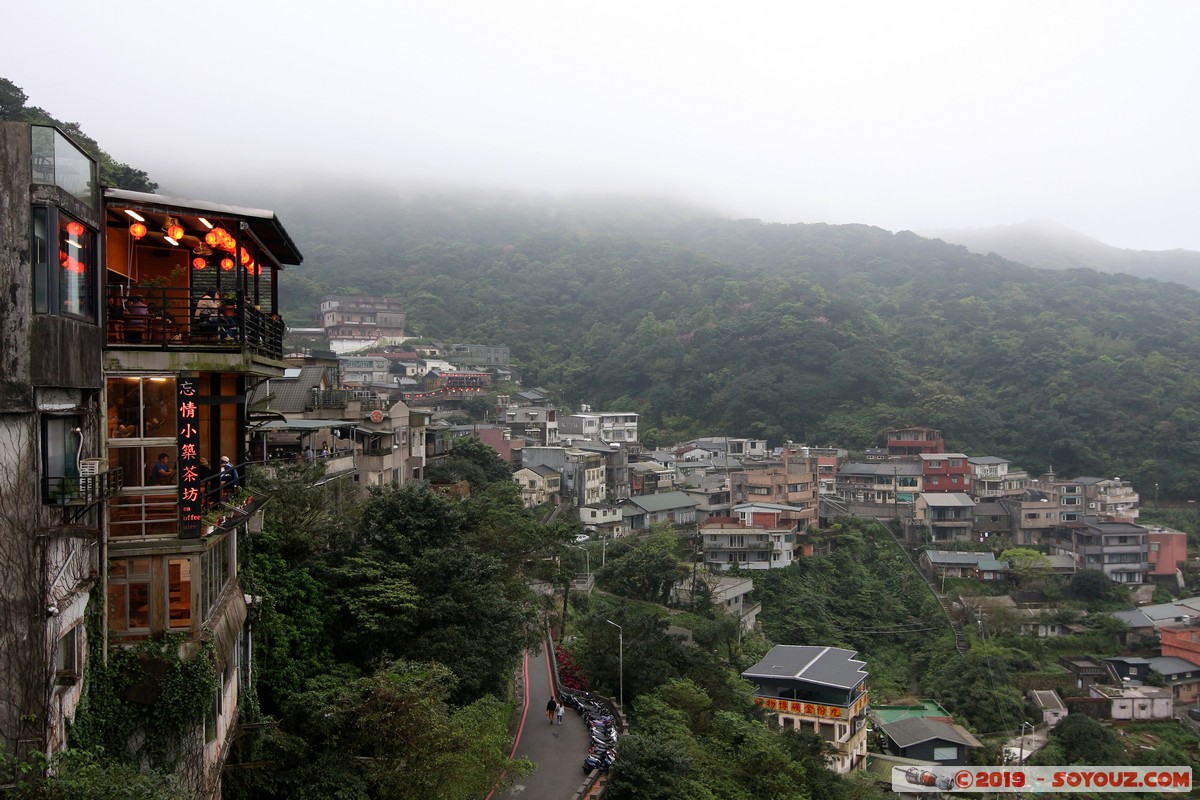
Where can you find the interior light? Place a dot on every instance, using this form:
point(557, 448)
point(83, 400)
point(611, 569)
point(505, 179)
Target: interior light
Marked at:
point(170, 241)
point(205, 223)
point(135, 215)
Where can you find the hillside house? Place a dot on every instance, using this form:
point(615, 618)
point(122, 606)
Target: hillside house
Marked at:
point(1048, 704)
point(929, 739)
point(539, 485)
point(914, 441)
point(642, 512)
point(945, 517)
point(817, 689)
point(726, 543)
point(1119, 549)
point(945, 472)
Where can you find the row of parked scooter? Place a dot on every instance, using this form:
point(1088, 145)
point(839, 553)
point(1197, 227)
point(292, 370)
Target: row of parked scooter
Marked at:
point(602, 729)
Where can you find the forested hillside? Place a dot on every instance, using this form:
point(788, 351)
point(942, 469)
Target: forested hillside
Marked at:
point(817, 333)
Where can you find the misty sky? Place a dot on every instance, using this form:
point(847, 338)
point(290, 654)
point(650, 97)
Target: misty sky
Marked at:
point(917, 115)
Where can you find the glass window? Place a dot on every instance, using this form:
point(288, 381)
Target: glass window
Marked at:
point(77, 268)
point(179, 592)
point(66, 658)
point(40, 255)
point(61, 439)
point(129, 594)
point(57, 161)
point(141, 408)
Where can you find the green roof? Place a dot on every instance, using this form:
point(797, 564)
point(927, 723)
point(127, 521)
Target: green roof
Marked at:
point(889, 714)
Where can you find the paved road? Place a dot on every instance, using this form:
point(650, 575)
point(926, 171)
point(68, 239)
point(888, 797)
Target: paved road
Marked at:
point(558, 750)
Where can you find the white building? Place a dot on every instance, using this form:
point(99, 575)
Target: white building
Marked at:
point(619, 427)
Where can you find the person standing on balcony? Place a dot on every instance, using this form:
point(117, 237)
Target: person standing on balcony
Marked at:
point(229, 478)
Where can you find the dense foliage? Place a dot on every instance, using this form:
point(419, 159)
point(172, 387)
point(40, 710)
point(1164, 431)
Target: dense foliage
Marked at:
point(817, 333)
point(387, 631)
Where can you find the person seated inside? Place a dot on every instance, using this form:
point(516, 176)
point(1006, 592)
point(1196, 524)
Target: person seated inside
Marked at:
point(137, 315)
point(161, 473)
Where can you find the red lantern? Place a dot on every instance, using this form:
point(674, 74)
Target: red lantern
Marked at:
point(175, 231)
point(74, 228)
point(245, 257)
point(227, 264)
point(199, 263)
point(213, 237)
point(137, 230)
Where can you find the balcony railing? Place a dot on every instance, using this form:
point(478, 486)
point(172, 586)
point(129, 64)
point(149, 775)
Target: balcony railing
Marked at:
point(81, 491)
point(168, 320)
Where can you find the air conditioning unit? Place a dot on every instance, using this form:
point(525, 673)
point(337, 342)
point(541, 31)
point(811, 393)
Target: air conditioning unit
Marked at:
point(1091, 505)
point(91, 467)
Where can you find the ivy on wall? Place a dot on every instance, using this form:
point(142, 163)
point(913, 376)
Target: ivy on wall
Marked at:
point(144, 702)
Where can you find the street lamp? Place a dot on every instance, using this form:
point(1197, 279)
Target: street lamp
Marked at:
point(620, 660)
point(1021, 753)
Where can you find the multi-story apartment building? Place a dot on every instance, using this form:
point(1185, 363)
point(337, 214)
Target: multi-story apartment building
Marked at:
point(610, 427)
point(352, 323)
point(728, 543)
point(582, 472)
point(793, 484)
point(478, 355)
point(945, 472)
point(822, 690)
point(945, 516)
point(881, 483)
point(536, 425)
point(730, 446)
point(538, 484)
point(1118, 548)
point(991, 478)
point(176, 381)
point(914, 441)
point(364, 370)
point(54, 478)
point(1109, 497)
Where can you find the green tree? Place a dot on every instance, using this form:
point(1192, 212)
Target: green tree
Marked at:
point(88, 775)
point(1028, 566)
point(393, 734)
point(648, 570)
point(1083, 740)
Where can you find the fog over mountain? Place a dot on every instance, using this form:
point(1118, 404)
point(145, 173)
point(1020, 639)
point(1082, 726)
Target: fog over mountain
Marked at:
point(1053, 246)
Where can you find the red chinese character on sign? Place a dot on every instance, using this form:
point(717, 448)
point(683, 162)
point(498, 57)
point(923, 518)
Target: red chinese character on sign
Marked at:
point(191, 494)
point(835, 712)
point(808, 708)
point(187, 410)
point(190, 474)
point(795, 707)
point(772, 704)
point(187, 389)
point(188, 452)
point(822, 711)
point(188, 432)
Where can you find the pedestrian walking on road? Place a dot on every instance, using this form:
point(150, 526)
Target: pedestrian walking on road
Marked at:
point(558, 713)
point(551, 704)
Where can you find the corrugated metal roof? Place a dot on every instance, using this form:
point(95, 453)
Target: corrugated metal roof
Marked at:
point(914, 730)
point(827, 666)
point(261, 222)
point(652, 503)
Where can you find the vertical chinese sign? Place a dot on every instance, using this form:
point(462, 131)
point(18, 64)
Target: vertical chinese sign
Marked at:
point(190, 490)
